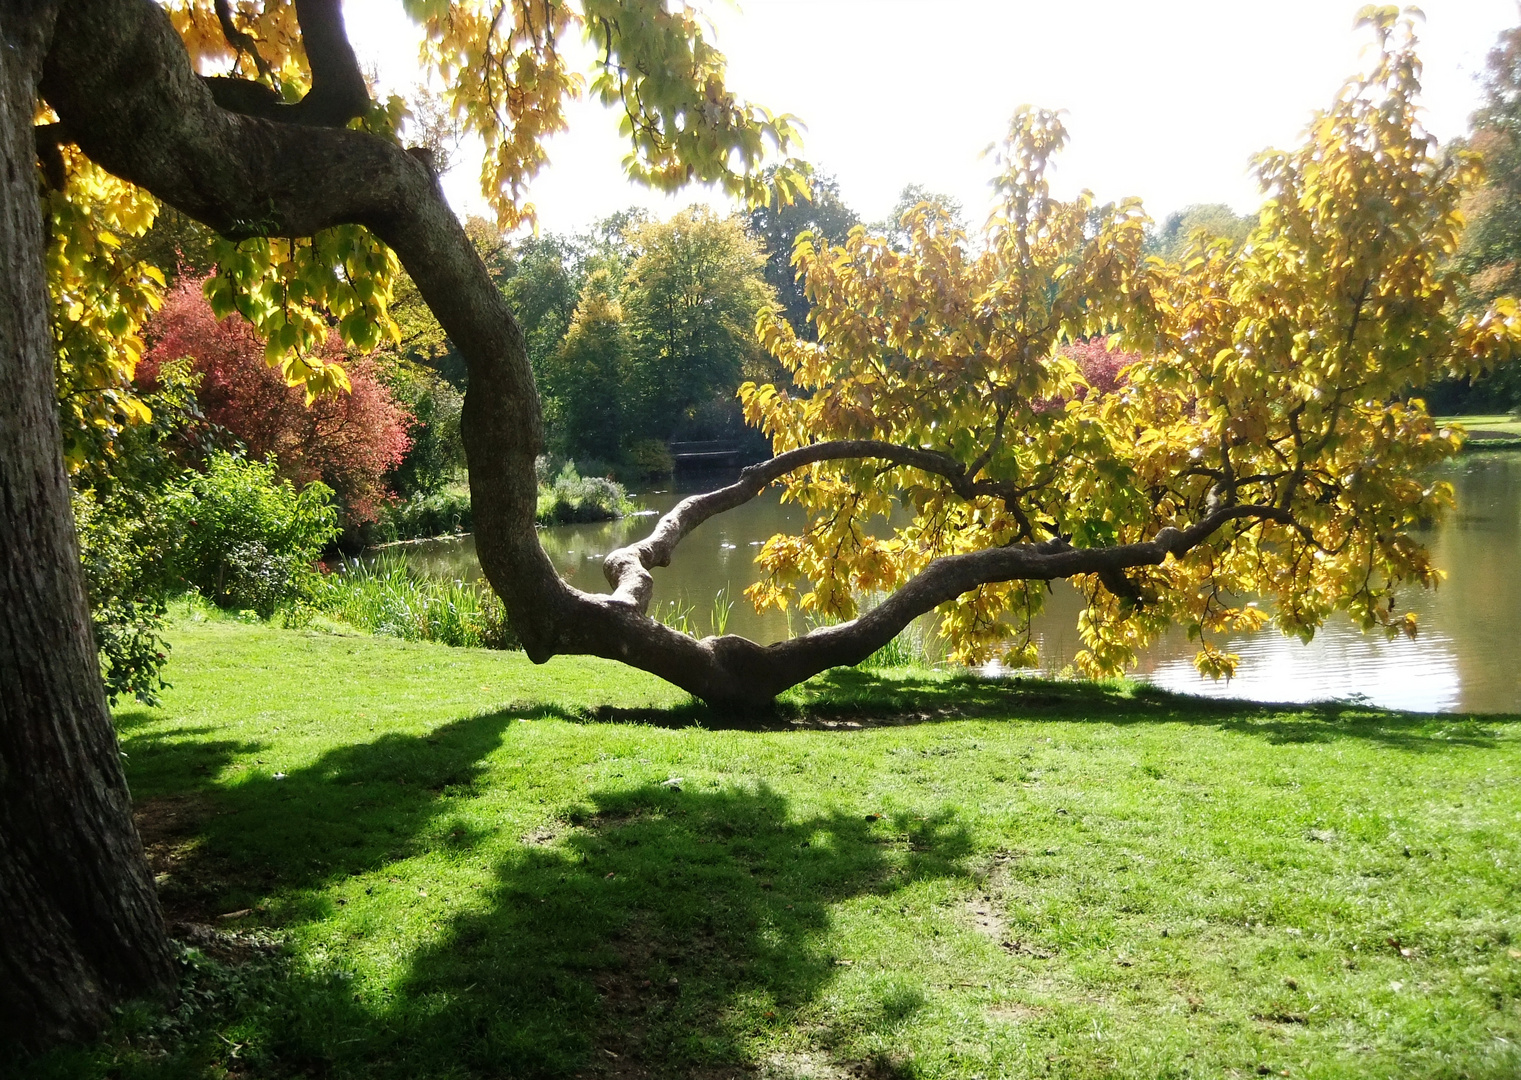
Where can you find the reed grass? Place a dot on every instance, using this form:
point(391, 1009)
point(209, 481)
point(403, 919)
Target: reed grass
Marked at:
point(386, 596)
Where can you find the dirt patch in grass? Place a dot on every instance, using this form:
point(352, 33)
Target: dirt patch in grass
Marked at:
point(169, 826)
point(1015, 1012)
point(811, 1065)
point(984, 908)
point(630, 994)
point(542, 836)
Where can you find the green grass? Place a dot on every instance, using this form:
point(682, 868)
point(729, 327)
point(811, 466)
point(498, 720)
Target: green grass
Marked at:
point(480, 868)
point(1487, 431)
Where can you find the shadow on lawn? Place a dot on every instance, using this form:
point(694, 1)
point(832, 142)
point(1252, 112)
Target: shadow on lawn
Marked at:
point(642, 932)
point(847, 698)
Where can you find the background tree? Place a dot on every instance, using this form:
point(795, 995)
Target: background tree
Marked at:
point(896, 230)
point(585, 387)
point(541, 283)
point(820, 212)
point(690, 297)
point(1217, 220)
point(1490, 251)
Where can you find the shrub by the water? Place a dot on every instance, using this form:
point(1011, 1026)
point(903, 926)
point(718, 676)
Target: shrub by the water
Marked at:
point(574, 498)
point(565, 498)
point(428, 513)
point(245, 538)
point(388, 597)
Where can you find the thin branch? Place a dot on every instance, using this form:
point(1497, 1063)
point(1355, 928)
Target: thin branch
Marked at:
point(241, 41)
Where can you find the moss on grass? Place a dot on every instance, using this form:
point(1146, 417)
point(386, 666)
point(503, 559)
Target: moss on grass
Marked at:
point(482, 868)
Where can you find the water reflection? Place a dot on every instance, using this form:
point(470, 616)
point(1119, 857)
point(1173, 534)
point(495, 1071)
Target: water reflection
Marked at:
point(1464, 659)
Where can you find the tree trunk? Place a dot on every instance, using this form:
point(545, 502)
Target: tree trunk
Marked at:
point(80, 926)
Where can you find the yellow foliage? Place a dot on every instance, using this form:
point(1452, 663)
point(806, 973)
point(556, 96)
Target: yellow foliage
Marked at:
point(1275, 376)
point(100, 295)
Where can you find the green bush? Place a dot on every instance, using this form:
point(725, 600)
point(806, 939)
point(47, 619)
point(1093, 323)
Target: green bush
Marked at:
point(564, 498)
point(122, 546)
point(425, 514)
point(574, 498)
point(650, 458)
point(247, 539)
point(124, 537)
point(388, 597)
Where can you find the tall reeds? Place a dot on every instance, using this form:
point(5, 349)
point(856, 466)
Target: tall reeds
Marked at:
point(385, 596)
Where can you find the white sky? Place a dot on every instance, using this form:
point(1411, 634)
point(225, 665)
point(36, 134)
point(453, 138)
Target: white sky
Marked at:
point(1166, 99)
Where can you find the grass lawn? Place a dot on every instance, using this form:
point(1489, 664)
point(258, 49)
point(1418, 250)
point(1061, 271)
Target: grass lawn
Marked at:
point(446, 863)
point(1487, 429)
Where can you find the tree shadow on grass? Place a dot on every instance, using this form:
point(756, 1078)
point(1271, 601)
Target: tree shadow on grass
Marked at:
point(638, 932)
point(221, 833)
point(661, 932)
point(850, 698)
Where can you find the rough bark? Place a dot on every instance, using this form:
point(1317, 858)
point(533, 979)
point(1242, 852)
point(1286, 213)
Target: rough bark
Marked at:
point(119, 78)
point(80, 927)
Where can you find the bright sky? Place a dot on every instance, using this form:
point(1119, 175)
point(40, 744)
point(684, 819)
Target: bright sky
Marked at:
point(1166, 99)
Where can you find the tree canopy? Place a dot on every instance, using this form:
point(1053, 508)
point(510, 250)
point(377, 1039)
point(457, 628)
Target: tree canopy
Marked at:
point(1260, 447)
point(778, 225)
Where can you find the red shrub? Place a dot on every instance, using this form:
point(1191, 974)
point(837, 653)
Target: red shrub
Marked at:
point(349, 441)
point(1100, 364)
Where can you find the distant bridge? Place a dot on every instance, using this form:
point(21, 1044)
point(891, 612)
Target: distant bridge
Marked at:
point(719, 453)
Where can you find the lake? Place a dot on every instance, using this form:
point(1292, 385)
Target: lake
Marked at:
point(1465, 659)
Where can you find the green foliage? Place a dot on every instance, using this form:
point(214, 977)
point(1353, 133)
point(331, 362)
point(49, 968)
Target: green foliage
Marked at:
point(572, 498)
point(123, 544)
point(650, 458)
point(437, 454)
point(428, 513)
point(247, 539)
point(542, 287)
point(1212, 221)
point(690, 299)
point(823, 214)
point(125, 540)
point(586, 382)
point(386, 596)
point(1489, 252)
point(911, 649)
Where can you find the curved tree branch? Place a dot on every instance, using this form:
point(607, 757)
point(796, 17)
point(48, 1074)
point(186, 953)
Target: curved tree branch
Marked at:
point(338, 92)
point(119, 77)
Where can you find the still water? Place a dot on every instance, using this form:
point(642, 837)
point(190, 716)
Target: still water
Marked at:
point(1467, 657)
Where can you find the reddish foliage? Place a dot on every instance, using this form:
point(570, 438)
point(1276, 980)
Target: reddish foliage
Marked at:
point(348, 441)
point(1100, 364)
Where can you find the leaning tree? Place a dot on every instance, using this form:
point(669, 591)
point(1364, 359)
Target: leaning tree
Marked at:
point(1258, 449)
